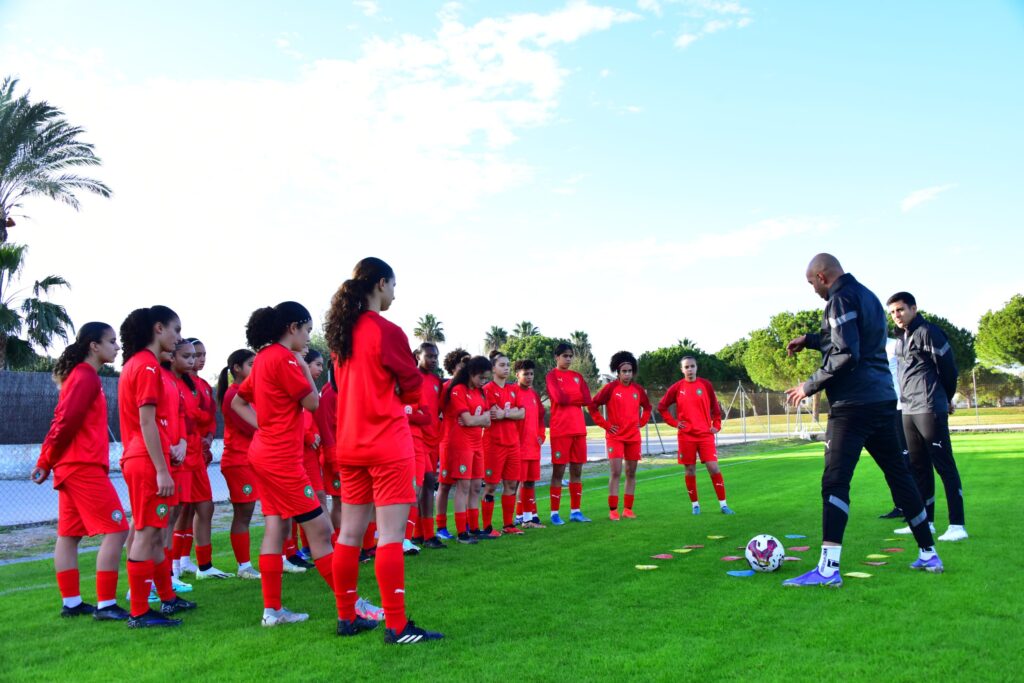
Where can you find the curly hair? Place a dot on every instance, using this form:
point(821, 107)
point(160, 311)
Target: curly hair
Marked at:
point(453, 358)
point(349, 302)
point(474, 366)
point(267, 325)
point(137, 329)
point(77, 351)
point(621, 358)
point(524, 364)
point(238, 357)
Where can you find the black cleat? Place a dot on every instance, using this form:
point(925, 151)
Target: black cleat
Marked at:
point(300, 561)
point(176, 605)
point(356, 626)
point(78, 610)
point(152, 619)
point(467, 538)
point(111, 613)
point(417, 540)
point(367, 555)
point(895, 513)
point(434, 543)
point(410, 634)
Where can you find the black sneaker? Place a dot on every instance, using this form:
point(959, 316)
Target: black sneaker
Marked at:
point(152, 619)
point(410, 634)
point(176, 605)
point(367, 555)
point(895, 513)
point(78, 610)
point(300, 561)
point(466, 538)
point(356, 626)
point(435, 543)
point(111, 613)
point(418, 540)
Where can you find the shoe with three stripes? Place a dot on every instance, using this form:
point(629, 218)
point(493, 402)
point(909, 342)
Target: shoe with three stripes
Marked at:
point(409, 635)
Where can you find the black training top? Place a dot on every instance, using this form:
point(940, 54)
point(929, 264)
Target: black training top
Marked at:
point(854, 368)
point(927, 368)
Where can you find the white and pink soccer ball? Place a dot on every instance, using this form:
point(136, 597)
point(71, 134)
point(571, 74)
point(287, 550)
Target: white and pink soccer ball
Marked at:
point(764, 553)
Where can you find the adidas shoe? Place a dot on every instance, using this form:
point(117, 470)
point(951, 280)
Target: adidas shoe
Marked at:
point(445, 535)
point(556, 519)
point(932, 565)
point(153, 595)
point(368, 611)
point(152, 619)
point(288, 568)
point(578, 517)
point(213, 573)
point(186, 566)
point(410, 635)
point(78, 610)
point(906, 531)
point(955, 532)
point(176, 605)
point(180, 586)
point(249, 572)
point(356, 626)
point(275, 617)
point(815, 578)
point(410, 548)
point(111, 613)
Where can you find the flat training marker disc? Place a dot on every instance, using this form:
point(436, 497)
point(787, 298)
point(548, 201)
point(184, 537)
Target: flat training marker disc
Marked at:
point(876, 556)
point(682, 551)
point(858, 575)
point(646, 567)
point(716, 538)
point(741, 573)
point(663, 556)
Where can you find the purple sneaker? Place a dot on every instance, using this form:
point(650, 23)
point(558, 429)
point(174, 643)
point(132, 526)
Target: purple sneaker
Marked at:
point(933, 565)
point(815, 578)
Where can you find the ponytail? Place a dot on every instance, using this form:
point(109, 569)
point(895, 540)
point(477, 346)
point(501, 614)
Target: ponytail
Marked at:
point(476, 365)
point(78, 350)
point(349, 302)
point(238, 357)
point(267, 325)
point(137, 329)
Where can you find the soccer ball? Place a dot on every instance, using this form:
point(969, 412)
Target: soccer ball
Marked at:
point(764, 553)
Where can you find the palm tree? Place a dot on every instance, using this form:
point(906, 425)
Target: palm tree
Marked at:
point(495, 338)
point(42, 320)
point(525, 329)
point(580, 342)
point(38, 151)
point(429, 329)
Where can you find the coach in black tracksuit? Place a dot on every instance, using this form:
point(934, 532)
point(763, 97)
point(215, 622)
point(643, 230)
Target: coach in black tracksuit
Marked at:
point(855, 375)
point(927, 373)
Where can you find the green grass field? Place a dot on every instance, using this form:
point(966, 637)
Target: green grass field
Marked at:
point(567, 603)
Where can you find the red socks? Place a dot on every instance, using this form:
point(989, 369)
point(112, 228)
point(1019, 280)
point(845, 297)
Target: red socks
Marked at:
point(334, 538)
point(413, 523)
point(325, 565)
point(106, 586)
point(556, 498)
point(186, 544)
point(529, 500)
point(240, 545)
point(270, 569)
point(390, 567)
point(575, 495)
point(613, 503)
point(162, 579)
point(487, 507)
point(427, 527)
point(719, 483)
point(140, 573)
point(519, 504)
point(473, 518)
point(177, 543)
point(345, 570)
point(369, 538)
point(442, 521)
point(289, 548)
point(629, 501)
point(508, 509)
point(204, 556)
point(67, 583)
point(460, 522)
point(691, 487)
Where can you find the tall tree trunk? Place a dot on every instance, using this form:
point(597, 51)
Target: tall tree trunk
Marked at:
point(3, 352)
point(816, 406)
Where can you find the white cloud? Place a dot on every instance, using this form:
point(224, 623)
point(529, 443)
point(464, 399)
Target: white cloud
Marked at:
point(605, 73)
point(369, 8)
point(711, 17)
point(652, 6)
point(919, 197)
point(686, 39)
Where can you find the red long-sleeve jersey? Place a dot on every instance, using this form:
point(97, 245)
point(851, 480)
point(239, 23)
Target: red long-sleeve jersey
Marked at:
point(327, 416)
point(531, 427)
point(237, 433)
point(461, 400)
point(141, 384)
point(569, 393)
point(502, 432)
point(78, 432)
point(696, 407)
point(372, 425)
point(276, 385)
point(628, 408)
point(425, 418)
point(173, 424)
point(194, 414)
point(207, 420)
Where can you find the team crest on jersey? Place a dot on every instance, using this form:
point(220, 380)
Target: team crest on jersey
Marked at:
point(161, 510)
point(558, 455)
point(247, 489)
point(117, 515)
point(611, 449)
point(462, 469)
point(700, 392)
point(636, 396)
point(488, 472)
point(444, 473)
point(336, 484)
point(576, 379)
point(308, 492)
point(437, 389)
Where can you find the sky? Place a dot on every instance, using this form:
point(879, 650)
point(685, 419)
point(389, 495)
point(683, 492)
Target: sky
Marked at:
point(643, 171)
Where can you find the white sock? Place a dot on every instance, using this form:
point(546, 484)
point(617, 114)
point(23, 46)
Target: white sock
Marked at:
point(73, 601)
point(574, 511)
point(695, 504)
point(105, 603)
point(722, 503)
point(829, 562)
point(245, 565)
point(926, 553)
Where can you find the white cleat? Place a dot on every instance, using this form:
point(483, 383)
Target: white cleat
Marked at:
point(180, 586)
point(410, 548)
point(367, 610)
point(248, 572)
point(185, 565)
point(274, 617)
point(212, 573)
point(289, 568)
point(955, 532)
point(905, 531)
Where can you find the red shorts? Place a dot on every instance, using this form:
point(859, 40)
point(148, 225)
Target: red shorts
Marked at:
point(422, 460)
point(182, 486)
point(311, 462)
point(285, 489)
point(568, 449)
point(434, 458)
point(501, 463)
point(241, 484)
point(199, 488)
point(689, 449)
point(529, 470)
point(630, 450)
point(332, 477)
point(148, 509)
point(463, 464)
point(88, 504)
point(390, 483)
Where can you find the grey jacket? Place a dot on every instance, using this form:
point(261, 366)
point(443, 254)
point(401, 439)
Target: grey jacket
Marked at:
point(927, 368)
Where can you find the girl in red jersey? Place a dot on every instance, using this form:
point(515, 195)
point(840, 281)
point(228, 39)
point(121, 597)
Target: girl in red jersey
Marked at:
point(327, 422)
point(627, 410)
point(281, 387)
point(453, 360)
point(532, 433)
point(426, 436)
point(375, 368)
point(76, 449)
point(569, 394)
point(234, 462)
point(502, 455)
point(466, 414)
point(143, 406)
point(173, 366)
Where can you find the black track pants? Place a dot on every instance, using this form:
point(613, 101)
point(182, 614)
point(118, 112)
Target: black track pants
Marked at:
point(928, 443)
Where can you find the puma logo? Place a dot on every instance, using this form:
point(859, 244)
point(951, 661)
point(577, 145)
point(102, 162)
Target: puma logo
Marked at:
point(151, 369)
point(291, 362)
point(399, 591)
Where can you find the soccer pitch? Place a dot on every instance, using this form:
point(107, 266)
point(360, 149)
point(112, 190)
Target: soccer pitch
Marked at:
point(568, 603)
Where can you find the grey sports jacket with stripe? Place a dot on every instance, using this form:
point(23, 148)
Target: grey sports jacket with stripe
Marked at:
point(927, 368)
point(854, 368)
